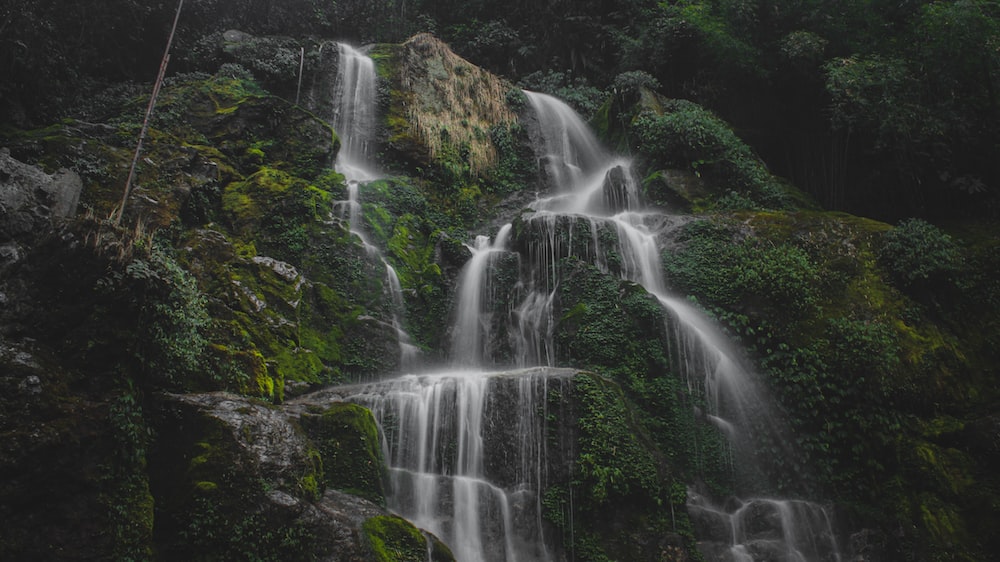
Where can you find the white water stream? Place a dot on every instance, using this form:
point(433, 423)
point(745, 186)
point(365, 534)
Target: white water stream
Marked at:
point(466, 449)
point(594, 192)
point(466, 452)
point(354, 119)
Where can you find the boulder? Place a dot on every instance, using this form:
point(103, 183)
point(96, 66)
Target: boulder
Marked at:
point(31, 199)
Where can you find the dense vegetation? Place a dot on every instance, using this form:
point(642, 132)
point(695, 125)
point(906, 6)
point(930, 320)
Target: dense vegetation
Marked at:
point(887, 109)
point(235, 272)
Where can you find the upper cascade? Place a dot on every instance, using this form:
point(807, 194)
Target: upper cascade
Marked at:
point(354, 114)
point(354, 119)
point(585, 177)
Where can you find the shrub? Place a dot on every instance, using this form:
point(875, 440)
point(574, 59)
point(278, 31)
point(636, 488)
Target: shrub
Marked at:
point(743, 274)
point(630, 81)
point(918, 253)
point(689, 136)
point(172, 314)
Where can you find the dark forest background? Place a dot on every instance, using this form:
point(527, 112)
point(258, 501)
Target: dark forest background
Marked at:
point(881, 108)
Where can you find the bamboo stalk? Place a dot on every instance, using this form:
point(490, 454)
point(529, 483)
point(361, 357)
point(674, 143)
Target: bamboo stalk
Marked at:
point(302, 64)
point(118, 213)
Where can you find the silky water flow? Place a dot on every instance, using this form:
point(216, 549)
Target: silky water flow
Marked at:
point(466, 448)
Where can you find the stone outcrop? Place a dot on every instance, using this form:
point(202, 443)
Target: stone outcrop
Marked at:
point(231, 464)
point(30, 200)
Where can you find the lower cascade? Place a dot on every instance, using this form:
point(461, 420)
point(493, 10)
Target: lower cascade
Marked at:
point(763, 529)
point(471, 452)
point(468, 452)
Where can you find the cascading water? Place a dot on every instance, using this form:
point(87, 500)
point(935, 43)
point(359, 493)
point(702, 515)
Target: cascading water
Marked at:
point(354, 114)
point(472, 333)
point(597, 191)
point(468, 452)
point(442, 475)
point(764, 529)
point(354, 120)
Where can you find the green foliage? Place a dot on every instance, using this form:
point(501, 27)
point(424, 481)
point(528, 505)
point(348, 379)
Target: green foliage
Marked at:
point(917, 254)
point(723, 270)
point(219, 532)
point(878, 94)
point(631, 81)
point(129, 501)
point(804, 49)
point(722, 30)
point(688, 136)
point(516, 167)
point(281, 206)
point(836, 390)
point(613, 462)
point(836, 378)
point(608, 324)
point(276, 59)
point(409, 229)
point(171, 315)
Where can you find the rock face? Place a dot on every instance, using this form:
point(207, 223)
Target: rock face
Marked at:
point(30, 200)
point(231, 467)
point(452, 101)
point(55, 446)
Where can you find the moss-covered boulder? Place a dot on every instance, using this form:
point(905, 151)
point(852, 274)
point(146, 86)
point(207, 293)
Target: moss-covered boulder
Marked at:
point(455, 122)
point(236, 478)
point(348, 442)
point(394, 539)
point(851, 350)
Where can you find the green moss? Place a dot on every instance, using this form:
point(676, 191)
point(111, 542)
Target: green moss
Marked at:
point(206, 486)
point(347, 441)
point(942, 521)
point(247, 200)
point(394, 539)
point(310, 485)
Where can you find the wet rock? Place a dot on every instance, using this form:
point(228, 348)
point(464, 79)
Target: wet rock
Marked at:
point(617, 189)
point(234, 463)
point(30, 199)
point(30, 385)
point(9, 254)
point(676, 190)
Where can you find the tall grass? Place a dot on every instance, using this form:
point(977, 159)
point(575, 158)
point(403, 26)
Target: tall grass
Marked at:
point(455, 103)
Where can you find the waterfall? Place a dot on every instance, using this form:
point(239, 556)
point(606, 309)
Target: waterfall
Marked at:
point(596, 188)
point(354, 114)
point(467, 455)
point(711, 360)
point(353, 119)
point(764, 529)
point(472, 328)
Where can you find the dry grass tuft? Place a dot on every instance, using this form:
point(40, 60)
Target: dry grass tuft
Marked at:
point(455, 103)
point(119, 244)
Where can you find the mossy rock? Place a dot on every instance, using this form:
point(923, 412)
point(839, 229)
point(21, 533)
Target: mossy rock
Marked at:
point(625, 502)
point(394, 539)
point(232, 478)
point(347, 440)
